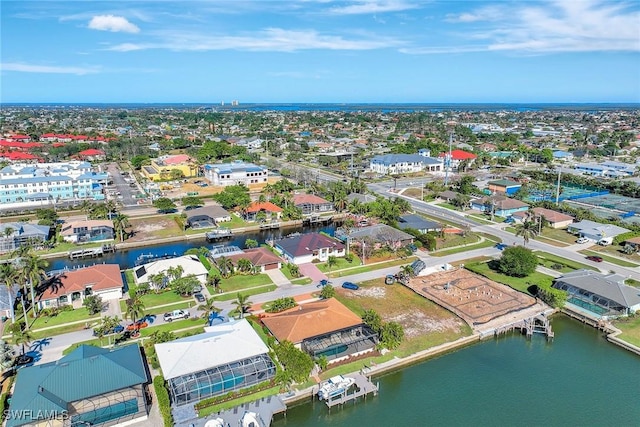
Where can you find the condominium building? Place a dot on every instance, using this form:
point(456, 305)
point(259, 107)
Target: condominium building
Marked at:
point(50, 182)
point(236, 173)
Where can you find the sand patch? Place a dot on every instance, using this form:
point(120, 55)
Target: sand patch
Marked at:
point(418, 323)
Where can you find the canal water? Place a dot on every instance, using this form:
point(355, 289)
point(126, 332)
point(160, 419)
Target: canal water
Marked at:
point(580, 379)
point(127, 258)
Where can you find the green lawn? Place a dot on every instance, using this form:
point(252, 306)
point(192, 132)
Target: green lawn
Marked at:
point(616, 252)
point(236, 222)
point(58, 331)
point(340, 264)
point(546, 259)
point(485, 244)
point(372, 267)
point(239, 282)
point(632, 282)
point(611, 259)
point(447, 206)
point(630, 330)
point(518, 283)
point(481, 219)
point(559, 234)
point(152, 299)
point(452, 240)
point(176, 306)
point(236, 402)
point(176, 325)
point(64, 317)
point(250, 291)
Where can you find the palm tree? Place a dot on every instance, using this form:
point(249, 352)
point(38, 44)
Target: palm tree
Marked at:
point(225, 265)
point(209, 310)
point(214, 281)
point(86, 207)
point(21, 335)
point(8, 231)
point(331, 261)
point(135, 309)
point(175, 272)
point(120, 223)
point(157, 281)
point(527, 230)
point(242, 304)
point(245, 265)
point(8, 276)
point(33, 270)
point(407, 270)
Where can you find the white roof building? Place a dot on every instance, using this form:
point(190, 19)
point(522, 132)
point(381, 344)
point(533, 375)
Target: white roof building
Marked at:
point(190, 265)
point(226, 357)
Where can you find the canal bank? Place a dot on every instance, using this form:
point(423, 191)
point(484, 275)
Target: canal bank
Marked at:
point(504, 381)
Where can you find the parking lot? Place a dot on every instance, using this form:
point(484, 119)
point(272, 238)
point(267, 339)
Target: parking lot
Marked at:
point(123, 187)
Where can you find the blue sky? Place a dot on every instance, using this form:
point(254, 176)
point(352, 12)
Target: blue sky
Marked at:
point(320, 51)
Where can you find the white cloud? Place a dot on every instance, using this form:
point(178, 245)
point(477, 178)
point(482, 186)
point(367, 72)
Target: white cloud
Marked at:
point(46, 69)
point(545, 27)
point(112, 23)
point(270, 39)
point(373, 6)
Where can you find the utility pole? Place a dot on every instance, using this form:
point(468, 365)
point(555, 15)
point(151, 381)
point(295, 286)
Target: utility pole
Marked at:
point(558, 188)
point(447, 160)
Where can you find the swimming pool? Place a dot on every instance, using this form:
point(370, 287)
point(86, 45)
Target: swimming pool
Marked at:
point(588, 306)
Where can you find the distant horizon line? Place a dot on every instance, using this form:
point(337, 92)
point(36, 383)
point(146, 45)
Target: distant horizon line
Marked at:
point(219, 103)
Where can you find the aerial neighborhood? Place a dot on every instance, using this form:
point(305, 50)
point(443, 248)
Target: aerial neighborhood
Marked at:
point(213, 265)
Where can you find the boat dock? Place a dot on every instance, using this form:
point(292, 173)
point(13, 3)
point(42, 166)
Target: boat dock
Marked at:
point(93, 252)
point(361, 388)
point(534, 325)
point(317, 219)
point(218, 234)
point(269, 225)
point(264, 408)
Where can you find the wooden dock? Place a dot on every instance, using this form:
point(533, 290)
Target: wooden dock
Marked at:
point(362, 388)
point(269, 225)
point(534, 325)
point(218, 234)
point(92, 252)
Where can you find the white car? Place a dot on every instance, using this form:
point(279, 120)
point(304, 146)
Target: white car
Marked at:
point(582, 240)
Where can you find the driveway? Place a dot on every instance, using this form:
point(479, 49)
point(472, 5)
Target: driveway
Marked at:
point(311, 271)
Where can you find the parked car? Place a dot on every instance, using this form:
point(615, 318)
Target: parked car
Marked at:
point(509, 220)
point(175, 315)
point(501, 246)
point(594, 258)
point(582, 240)
point(115, 330)
point(350, 285)
point(199, 297)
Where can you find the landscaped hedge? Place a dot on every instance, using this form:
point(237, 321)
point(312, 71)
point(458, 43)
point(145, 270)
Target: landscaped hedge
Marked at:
point(162, 395)
point(552, 296)
point(281, 304)
point(232, 395)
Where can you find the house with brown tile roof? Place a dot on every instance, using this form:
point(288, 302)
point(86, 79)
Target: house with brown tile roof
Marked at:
point(305, 248)
point(555, 219)
point(325, 327)
point(271, 210)
point(312, 204)
point(72, 287)
point(262, 258)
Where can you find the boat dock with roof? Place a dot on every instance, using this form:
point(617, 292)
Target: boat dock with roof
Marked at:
point(362, 388)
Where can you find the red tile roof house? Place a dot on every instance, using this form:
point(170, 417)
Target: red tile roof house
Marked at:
point(271, 211)
point(555, 219)
point(262, 258)
point(305, 248)
point(310, 204)
point(458, 156)
point(91, 154)
point(74, 286)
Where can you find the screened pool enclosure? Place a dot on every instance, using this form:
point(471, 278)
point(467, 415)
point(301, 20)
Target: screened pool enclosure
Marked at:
point(221, 379)
point(341, 343)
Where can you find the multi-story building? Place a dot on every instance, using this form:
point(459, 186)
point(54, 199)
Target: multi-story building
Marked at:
point(162, 168)
point(404, 163)
point(51, 182)
point(236, 173)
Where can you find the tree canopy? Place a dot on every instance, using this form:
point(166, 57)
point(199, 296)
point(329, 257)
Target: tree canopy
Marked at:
point(518, 261)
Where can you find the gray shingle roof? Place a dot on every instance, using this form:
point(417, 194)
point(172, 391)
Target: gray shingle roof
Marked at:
point(610, 286)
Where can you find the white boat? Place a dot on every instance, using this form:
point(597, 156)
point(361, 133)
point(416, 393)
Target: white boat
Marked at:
point(216, 422)
point(334, 386)
point(249, 419)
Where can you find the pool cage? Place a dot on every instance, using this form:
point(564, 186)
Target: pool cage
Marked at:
point(341, 343)
point(594, 303)
point(221, 379)
point(110, 409)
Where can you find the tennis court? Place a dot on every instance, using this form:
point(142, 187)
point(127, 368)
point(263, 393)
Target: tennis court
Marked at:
point(611, 205)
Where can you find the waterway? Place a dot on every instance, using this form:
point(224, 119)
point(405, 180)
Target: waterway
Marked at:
point(127, 258)
point(580, 379)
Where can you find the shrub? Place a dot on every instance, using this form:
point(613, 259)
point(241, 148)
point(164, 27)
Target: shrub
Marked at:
point(518, 261)
point(348, 258)
point(554, 297)
point(557, 266)
point(281, 304)
point(162, 395)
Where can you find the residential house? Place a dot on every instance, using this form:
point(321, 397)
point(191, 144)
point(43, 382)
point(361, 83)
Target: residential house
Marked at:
point(634, 241)
point(236, 173)
point(448, 195)
point(417, 222)
point(190, 265)
point(84, 231)
point(73, 286)
point(162, 168)
point(380, 235)
point(608, 169)
point(602, 295)
point(305, 248)
point(262, 258)
point(502, 206)
point(91, 386)
point(226, 357)
point(595, 230)
point(456, 157)
point(504, 186)
point(325, 327)
point(267, 210)
point(562, 156)
point(207, 216)
point(388, 164)
point(554, 219)
point(16, 234)
point(312, 204)
point(92, 155)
